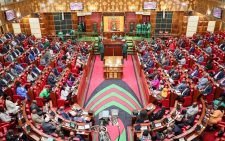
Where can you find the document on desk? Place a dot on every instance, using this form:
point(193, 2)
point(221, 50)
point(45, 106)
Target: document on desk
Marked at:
point(72, 113)
point(158, 125)
point(50, 139)
point(150, 107)
point(86, 126)
point(85, 113)
point(80, 132)
point(81, 127)
point(87, 118)
point(144, 128)
point(181, 139)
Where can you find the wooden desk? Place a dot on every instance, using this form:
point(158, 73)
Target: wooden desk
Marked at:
point(112, 48)
point(113, 68)
point(163, 124)
point(109, 34)
point(34, 134)
point(191, 133)
point(66, 123)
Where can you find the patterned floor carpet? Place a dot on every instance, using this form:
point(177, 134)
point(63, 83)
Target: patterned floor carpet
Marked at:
point(115, 94)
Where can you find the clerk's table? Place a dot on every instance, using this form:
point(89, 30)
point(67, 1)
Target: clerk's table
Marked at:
point(113, 67)
point(113, 47)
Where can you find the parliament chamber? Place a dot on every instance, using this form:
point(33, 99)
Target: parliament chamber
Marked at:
point(119, 70)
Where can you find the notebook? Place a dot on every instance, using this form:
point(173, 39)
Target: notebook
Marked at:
point(158, 125)
point(80, 128)
point(86, 126)
point(144, 128)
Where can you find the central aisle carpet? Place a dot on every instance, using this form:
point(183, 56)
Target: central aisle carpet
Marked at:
point(122, 94)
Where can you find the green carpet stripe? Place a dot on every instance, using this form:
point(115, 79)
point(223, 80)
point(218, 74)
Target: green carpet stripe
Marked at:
point(113, 103)
point(95, 136)
point(123, 136)
point(110, 87)
point(111, 95)
point(131, 135)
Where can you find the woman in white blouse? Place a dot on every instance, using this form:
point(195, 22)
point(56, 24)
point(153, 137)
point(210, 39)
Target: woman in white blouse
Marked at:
point(11, 107)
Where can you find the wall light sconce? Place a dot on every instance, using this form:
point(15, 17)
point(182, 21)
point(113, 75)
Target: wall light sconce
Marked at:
point(164, 11)
point(18, 15)
point(132, 8)
point(183, 4)
point(50, 1)
point(92, 8)
point(42, 5)
point(208, 12)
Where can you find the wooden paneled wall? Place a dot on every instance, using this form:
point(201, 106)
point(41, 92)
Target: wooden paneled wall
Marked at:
point(179, 22)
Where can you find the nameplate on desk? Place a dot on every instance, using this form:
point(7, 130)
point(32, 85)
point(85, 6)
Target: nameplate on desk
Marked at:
point(80, 132)
point(158, 125)
point(149, 107)
point(144, 128)
point(85, 113)
point(87, 118)
point(86, 126)
point(181, 139)
point(72, 113)
point(81, 127)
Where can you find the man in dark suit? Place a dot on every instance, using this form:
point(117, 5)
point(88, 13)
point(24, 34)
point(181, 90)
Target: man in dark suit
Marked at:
point(14, 54)
point(9, 77)
point(47, 126)
point(51, 79)
point(5, 49)
point(219, 75)
point(36, 70)
point(222, 46)
point(9, 58)
point(175, 129)
point(175, 75)
point(33, 106)
point(194, 73)
point(101, 50)
point(187, 121)
point(186, 92)
point(208, 89)
point(124, 50)
point(182, 86)
point(3, 82)
point(192, 49)
point(142, 117)
point(160, 113)
point(20, 48)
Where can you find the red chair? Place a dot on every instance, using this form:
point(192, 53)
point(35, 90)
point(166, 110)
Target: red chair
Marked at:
point(188, 99)
point(210, 97)
point(166, 102)
point(40, 101)
point(17, 98)
point(61, 102)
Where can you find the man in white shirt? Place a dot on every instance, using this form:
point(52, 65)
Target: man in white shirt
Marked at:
point(11, 107)
point(64, 93)
point(192, 110)
point(4, 117)
point(31, 77)
point(182, 61)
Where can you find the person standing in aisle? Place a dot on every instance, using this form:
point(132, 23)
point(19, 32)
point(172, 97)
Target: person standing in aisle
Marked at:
point(124, 50)
point(101, 50)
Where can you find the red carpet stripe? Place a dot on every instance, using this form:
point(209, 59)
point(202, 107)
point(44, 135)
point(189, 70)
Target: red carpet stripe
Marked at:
point(129, 76)
point(97, 76)
point(115, 130)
